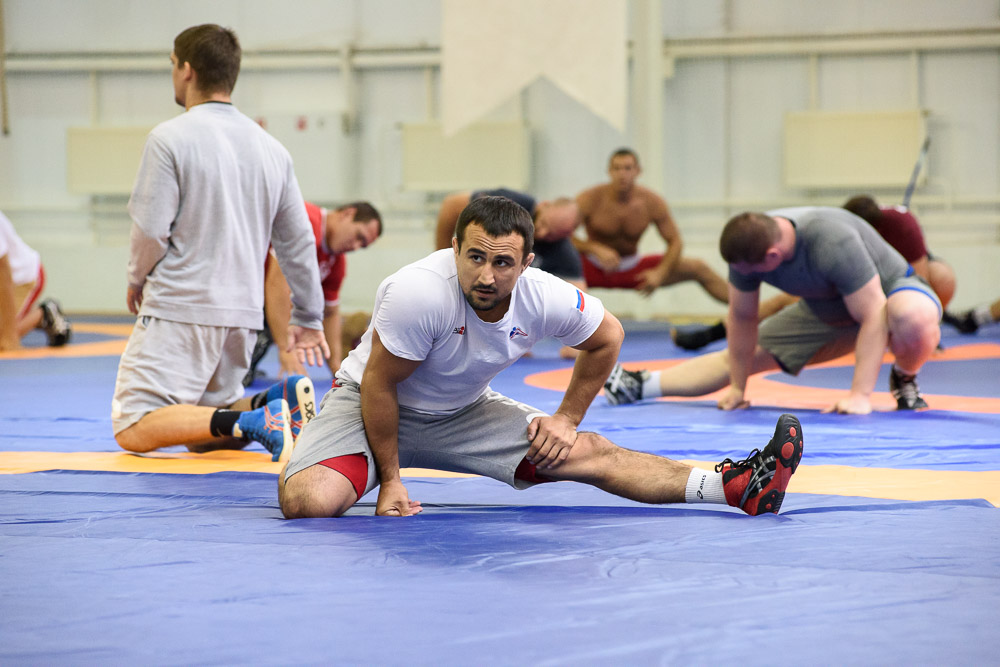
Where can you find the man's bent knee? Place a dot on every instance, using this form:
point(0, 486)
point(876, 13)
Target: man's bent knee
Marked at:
point(316, 492)
point(131, 440)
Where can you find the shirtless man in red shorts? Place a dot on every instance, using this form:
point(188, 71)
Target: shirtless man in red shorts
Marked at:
point(615, 215)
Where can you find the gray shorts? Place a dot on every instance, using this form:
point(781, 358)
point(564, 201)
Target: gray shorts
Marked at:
point(174, 363)
point(488, 437)
point(795, 337)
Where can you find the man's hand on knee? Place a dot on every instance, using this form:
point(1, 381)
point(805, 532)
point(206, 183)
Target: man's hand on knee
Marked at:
point(551, 439)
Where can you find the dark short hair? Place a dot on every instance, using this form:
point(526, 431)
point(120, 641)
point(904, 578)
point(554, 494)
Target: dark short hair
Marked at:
point(624, 152)
point(214, 53)
point(865, 207)
point(364, 212)
point(747, 238)
point(498, 216)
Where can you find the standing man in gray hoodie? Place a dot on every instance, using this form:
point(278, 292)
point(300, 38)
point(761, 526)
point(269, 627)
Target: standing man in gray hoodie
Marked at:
point(212, 192)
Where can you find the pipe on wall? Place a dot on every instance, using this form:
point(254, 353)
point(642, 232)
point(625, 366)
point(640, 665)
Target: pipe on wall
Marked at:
point(961, 39)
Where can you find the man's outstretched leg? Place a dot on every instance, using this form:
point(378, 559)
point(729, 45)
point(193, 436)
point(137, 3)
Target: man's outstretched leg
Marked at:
point(273, 417)
point(969, 321)
point(697, 376)
point(690, 268)
point(755, 484)
point(697, 337)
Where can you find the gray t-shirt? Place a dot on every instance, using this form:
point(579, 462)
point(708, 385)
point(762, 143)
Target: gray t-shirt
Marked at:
point(836, 253)
point(213, 191)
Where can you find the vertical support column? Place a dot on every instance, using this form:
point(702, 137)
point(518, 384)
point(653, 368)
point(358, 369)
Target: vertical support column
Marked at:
point(727, 117)
point(349, 119)
point(430, 111)
point(4, 115)
point(95, 98)
point(915, 78)
point(647, 89)
point(813, 82)
point(727, 137)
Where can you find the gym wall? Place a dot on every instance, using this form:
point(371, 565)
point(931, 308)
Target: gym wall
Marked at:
point(339, 81)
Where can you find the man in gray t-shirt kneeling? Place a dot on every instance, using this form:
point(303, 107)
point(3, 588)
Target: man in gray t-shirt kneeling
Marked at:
point(858, 294)
point(213, 192)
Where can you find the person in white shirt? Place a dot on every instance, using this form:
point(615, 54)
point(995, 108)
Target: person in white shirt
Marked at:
point(22, 279)
point(415, 392)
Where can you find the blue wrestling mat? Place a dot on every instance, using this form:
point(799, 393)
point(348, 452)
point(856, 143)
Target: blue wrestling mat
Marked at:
point(887, 550)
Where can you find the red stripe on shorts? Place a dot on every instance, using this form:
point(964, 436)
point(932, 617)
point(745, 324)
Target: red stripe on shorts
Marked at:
point(526, 472)
point(352, 466)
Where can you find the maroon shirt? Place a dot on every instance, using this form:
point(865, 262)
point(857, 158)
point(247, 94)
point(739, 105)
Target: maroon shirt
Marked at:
point(901, 230)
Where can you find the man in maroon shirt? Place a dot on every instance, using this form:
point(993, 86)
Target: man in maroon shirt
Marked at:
point(901, 230)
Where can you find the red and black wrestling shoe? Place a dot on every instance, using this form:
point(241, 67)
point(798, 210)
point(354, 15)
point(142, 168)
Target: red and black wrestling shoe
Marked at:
point(757, 483)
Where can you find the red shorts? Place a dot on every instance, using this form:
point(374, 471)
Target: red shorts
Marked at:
point(595, 276)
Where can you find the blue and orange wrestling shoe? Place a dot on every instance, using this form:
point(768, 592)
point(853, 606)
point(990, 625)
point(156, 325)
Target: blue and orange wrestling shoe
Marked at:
point(298, 390)
point(757, 483)
point(270, 425)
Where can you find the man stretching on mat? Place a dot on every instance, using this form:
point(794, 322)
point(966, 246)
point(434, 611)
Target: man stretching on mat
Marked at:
point(900, 228)
point(213, 191)
point(555, 220)
point(416, 392)
point(858, 293)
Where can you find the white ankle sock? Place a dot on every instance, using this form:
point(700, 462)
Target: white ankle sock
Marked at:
point(704, 486)
point(651, 385)
point(981, 315)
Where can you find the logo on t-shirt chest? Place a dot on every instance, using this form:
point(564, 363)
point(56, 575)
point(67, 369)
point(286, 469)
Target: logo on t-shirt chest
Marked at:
point(326, 266)
point(517, 331)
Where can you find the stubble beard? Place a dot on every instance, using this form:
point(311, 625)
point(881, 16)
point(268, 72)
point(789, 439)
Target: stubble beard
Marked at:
point(478, 303)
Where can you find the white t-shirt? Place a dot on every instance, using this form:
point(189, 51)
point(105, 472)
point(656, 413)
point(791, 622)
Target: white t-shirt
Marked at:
point(24, 262)
point(422, 315)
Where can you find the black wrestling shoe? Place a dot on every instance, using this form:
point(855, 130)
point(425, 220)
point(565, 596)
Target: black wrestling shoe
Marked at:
point(57, 328)
point(695, 339)
point(904, 389)
point(757, 483)
point(964, 322)
point(624, 386)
